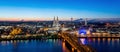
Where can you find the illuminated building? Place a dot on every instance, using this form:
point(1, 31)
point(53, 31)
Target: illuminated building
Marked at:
point(82, 31)
point(55, 27)
point(85, 31)
point(56, 22)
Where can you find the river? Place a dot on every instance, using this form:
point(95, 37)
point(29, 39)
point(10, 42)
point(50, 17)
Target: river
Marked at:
point(57, 45)
point(102, 44)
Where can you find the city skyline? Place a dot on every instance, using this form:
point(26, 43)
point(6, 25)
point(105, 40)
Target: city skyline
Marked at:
point(16, 10)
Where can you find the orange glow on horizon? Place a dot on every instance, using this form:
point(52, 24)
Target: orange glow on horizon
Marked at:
point(20, 19)
point(30, 19)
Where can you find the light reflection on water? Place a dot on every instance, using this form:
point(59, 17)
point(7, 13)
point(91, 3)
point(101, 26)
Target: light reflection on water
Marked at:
point(83, 41)
point(103, 44)
point(65, 49)
point(57, 45)
point(50, 45)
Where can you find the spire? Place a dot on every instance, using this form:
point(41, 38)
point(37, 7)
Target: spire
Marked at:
point(86, 21)
point(54, 18)
point(57, 21)
point(57, 18)
point(54, 21)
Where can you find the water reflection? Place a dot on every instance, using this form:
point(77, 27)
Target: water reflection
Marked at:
point(102, 44)
point(57, 45)
point(65, 49)
point(50, 45)
point(83, 41)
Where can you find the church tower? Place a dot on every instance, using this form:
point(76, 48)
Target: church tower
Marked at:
point(56, 22)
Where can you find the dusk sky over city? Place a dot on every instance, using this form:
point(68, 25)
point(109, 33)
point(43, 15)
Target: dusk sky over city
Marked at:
point(59, 25)
point(47, 9)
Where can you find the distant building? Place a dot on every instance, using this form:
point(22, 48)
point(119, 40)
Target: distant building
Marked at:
point(55, 26)
point(56, 22)
point(85, 31)
point(86, 22)
point(82, 31)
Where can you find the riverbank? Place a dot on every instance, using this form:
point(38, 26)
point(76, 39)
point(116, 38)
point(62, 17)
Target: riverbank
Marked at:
point(31, 37)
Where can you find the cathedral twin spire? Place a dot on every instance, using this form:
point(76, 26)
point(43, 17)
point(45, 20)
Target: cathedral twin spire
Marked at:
point(56, 22)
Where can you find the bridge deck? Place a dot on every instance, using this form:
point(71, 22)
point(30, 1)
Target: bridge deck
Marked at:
point(73, 41)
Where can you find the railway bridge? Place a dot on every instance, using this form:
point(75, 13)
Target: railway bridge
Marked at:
point(75, 45)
